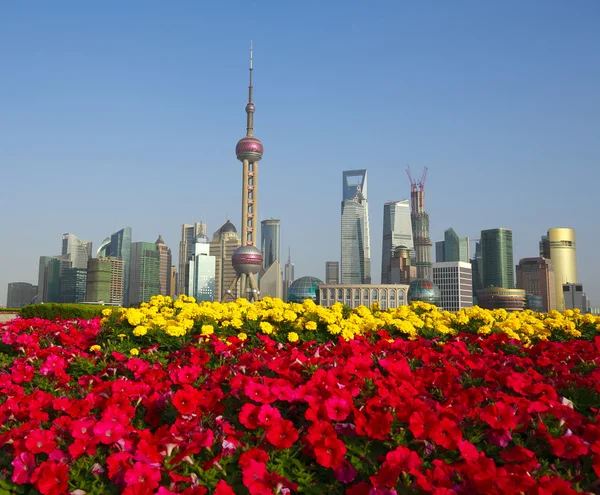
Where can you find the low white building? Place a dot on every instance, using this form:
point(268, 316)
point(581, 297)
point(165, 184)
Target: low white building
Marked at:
point(455, 281)
point(354, 295)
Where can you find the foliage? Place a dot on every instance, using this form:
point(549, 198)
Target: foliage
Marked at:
point(53, 311)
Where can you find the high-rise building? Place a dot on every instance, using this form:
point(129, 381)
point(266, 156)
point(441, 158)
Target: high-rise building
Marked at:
point(173, 284)
point(269, 233)
point(117, 273)
point(402, 270)
point(99, 275)
point(201, 271)
point(420, 225)
point(247, 260)
point(42, 295)
point(20, 294)
point(79, 251)
point(536, 277)
point(164, 257)
point(104, 249)
point(332, 272)
point(270, 279)
point(397, 231)
point(222, 246)
point(454, 279)
point(120, 247)
point(288, 275)
point(53, 272)
point(144, 274)
point(356, 243)
point(189, 234)
point(574, 298)
point(73, 283)
point(453, 248)
point(497, 258)
point(477, 272)
point(559, 244)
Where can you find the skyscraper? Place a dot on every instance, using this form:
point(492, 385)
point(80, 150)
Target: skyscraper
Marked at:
point(560, 244)
point(164, 257)
point(201, 271)
point(79, 251)
point(223, 244)
point(420, 225)
point(73, 283)
point(497, 258)
point(42, 288)
point(453, 248)
point(288, 275)
point(104, 249)
point(356, 244)
point(477, 272)
point(332, 272)
point(144, 277)
point(98, 280)
point(397, 231)
point(402, 270)
point(173, 278)
point(270, 244)
point(120, 247)
point(454, 279)
point(189, 234)
point(20, 294)
point(536, 277)
point(247, 259)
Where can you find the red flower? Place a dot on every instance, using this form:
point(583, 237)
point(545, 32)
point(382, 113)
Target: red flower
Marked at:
point(143, 474)
point(282, 434)
point(248, 416)
point(378, 425)
point(268, 415)
point(447, 434)
point(51, 478)
point(118, 464)
point(422, 422)
point(185, 400)
point(500, 416)
point(258, 392)
point(108, 432)
point(331, 453)
point(23, 464)
point(337, 408)
point(82, 428)
point(254, 454)
point(568, 447)
point(223, 488)
point(468, 451)
point(40, 441)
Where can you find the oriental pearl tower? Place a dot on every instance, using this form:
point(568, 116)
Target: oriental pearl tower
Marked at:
point(247, 259)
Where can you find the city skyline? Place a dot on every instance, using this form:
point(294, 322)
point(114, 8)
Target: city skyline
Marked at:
point(487, 123)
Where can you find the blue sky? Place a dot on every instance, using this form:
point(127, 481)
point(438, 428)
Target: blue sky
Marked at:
point(121, 114)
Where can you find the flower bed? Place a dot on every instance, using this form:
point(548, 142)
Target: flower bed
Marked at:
point(92, 410)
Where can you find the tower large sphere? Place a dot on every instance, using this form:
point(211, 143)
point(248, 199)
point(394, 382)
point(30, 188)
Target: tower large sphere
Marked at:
point(249, 148)
point(246, 260)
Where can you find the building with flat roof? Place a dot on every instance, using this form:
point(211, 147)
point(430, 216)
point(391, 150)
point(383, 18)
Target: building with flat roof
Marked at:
point(397, 231)
point(536, 277)
point(73, 282)
point(354, 295)
point(164, 259)
point(144, 275)
point(120, 247)
point(332, 272)
point(201, 272)
point(574, 298)
point(497, 258)
point(455, 281)
point(189, 234)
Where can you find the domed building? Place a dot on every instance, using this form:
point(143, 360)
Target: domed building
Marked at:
point(303, 288)
point(424, 290)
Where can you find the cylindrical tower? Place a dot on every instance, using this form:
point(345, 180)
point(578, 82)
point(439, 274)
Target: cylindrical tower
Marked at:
point(247, 259)
point(563, 257)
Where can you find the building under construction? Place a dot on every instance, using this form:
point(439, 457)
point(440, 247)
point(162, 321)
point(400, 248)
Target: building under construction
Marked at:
point(420, 226)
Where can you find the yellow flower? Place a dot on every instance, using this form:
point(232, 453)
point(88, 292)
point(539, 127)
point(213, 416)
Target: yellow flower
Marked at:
point(140, 330)
point(134, 352)
point(292, 337)
point(207, 330)
point(311, 325)
point(95, 348)
point(266, 327)
point(121, 335)
point(242, 336)
point(107, 312)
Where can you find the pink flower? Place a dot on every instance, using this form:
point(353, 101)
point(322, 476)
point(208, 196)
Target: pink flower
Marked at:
point(24, 464)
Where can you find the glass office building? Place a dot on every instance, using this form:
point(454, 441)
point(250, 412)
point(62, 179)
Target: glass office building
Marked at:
point(397, 231)
point(120, 247)
point(356, 244)
point(202, 270)
point(269, 241)
point(497, 258)
point(79, 251)
point(144, 276)
point(73, 283)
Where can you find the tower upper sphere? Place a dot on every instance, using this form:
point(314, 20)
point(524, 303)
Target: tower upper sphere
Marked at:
point(249, 147)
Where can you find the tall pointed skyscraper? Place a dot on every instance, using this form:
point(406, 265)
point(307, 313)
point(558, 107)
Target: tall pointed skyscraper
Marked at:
point(420, 226)
point(247, 259)
point(356, 242)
